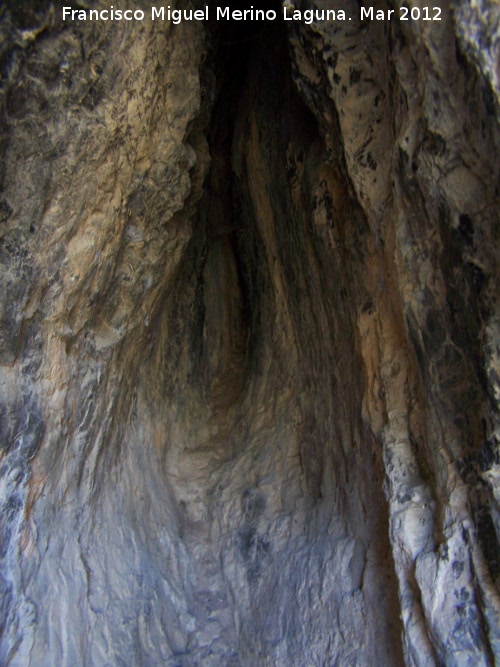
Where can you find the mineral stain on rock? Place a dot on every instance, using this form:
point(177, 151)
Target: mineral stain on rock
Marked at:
point(249, 340)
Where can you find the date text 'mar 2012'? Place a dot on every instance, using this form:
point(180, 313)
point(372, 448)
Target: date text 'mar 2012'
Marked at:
point(405, 14)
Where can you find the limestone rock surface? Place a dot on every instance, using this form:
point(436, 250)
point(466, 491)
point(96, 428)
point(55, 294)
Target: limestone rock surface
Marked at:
point(249, 340)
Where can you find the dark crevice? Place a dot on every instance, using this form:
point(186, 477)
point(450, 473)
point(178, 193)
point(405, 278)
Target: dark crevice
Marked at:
point(233, 253)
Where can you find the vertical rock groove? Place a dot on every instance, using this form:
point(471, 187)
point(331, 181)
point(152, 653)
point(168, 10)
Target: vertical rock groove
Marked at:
point(249, 369)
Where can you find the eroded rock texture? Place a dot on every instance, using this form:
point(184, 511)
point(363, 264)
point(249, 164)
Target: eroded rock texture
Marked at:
point(249, 341)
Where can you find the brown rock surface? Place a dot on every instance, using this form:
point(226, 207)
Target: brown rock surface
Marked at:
point(249, 341)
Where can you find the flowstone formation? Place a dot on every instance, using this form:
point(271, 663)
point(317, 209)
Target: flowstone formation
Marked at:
point(249, 340)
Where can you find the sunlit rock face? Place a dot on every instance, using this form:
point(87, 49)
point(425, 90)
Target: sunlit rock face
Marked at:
point(249, 341)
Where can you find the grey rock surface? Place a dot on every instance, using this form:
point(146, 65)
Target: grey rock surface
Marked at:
point(249, 341)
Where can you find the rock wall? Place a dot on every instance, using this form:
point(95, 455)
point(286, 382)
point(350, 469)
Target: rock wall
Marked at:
point(249, 372)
